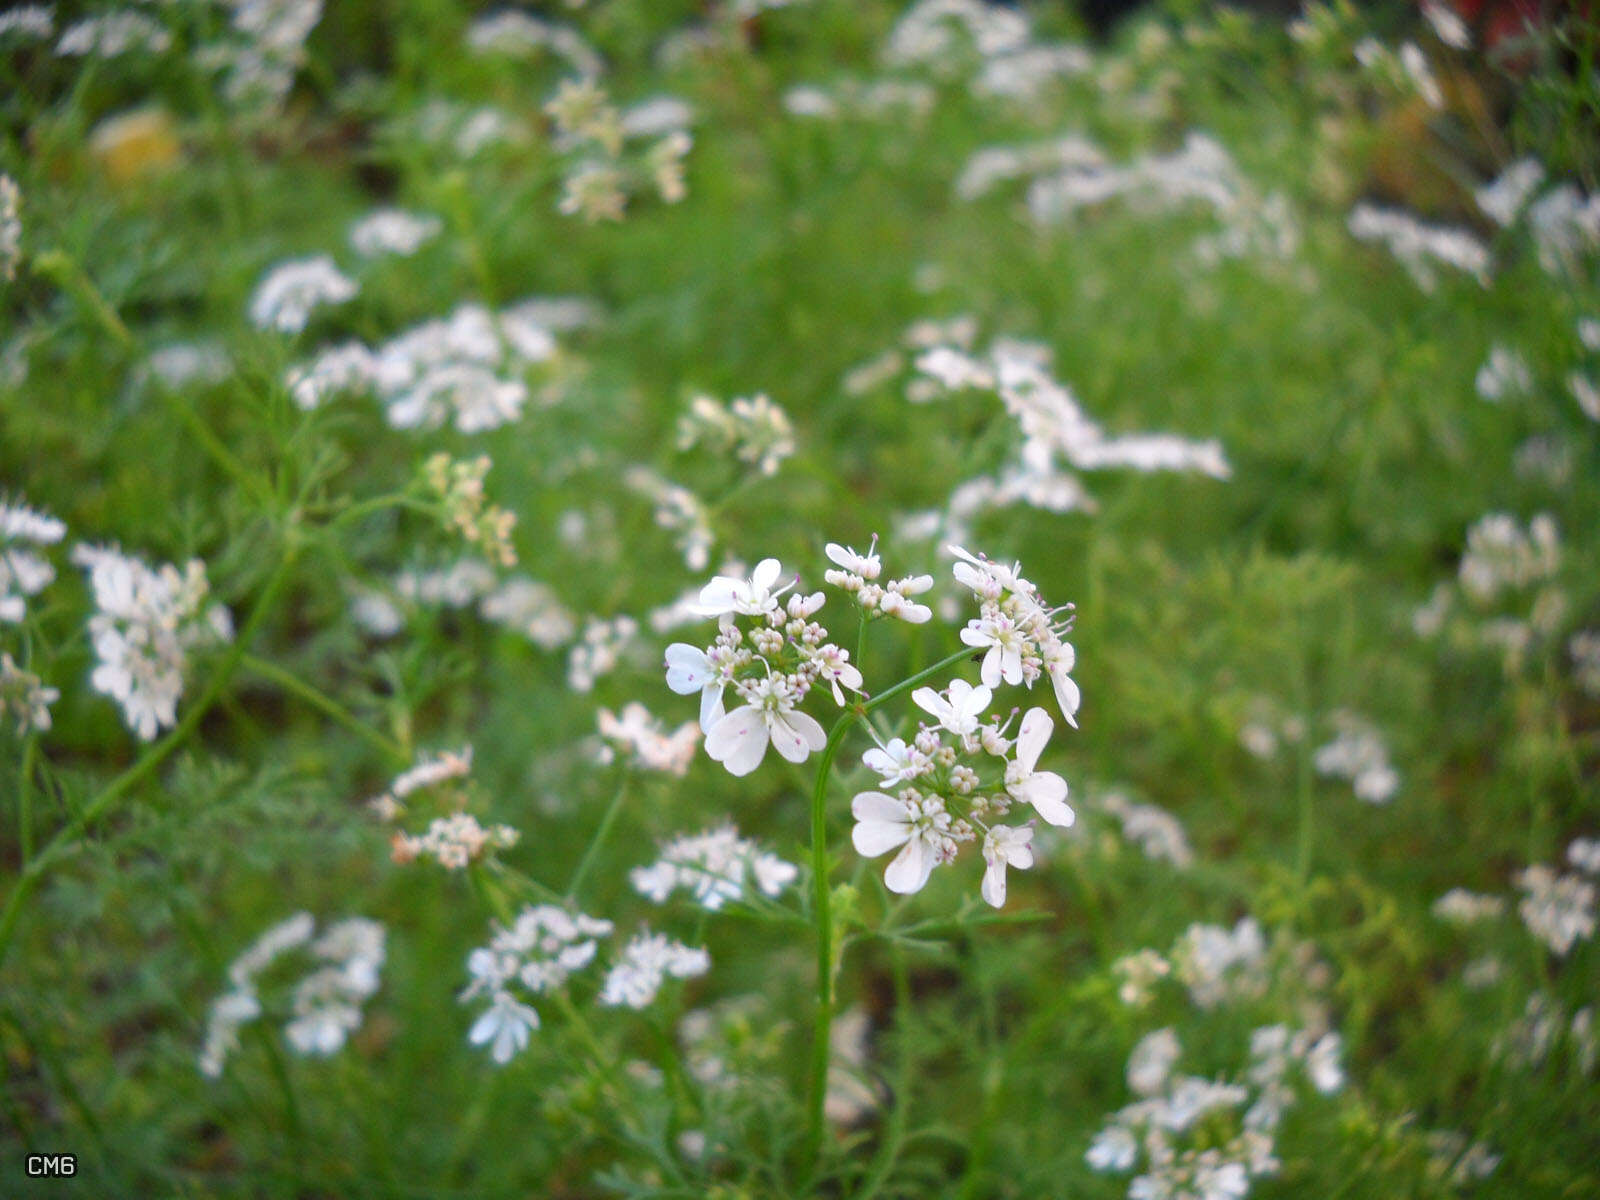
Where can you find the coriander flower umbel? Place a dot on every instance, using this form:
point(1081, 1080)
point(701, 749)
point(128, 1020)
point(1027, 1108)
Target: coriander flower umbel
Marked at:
point(1023, 638)
point(917, 823)
point(858, 575)
point(771, 667)
point(739, 740)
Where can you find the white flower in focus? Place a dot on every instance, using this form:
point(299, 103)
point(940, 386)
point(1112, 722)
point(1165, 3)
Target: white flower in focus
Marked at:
point(1044, 790)
point(958, 710)
point(504, 1026)
point(1005, 643)
point(894, 761)
point(1003, 846)
point(867, 565)
point(917, 824)
point(689, 670)
point(752, 597)
point(739, 740)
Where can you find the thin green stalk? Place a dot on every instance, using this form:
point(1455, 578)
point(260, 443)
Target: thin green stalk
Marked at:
point(587, 861)
point(153, 757)
point(25, 796)
point(329, 707)
point(822, 900)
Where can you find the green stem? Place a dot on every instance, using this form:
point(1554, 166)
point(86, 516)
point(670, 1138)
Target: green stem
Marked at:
point(822, 900)
point(292, 683)
point(921, 676)
point(152, 758)
point(587, 861)
point(25, 796)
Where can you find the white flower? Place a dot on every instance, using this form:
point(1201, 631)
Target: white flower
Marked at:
point(504, 1026)
point(712, 866)
point(752, 597)
point(895, 762)
point(960, 711)
point(1113, 1149)
point(739, 740)
point(1152, 1061)
point(1005, 642)
point(644, 965)
point(285, 298)
point(393, 231)
point(23, 696)
point(884, 822)
point(689, 670)
point(867, 565)
point(1045, 790)
point(1003, 846)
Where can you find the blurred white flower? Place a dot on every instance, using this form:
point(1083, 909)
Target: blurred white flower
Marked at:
point(288, 294)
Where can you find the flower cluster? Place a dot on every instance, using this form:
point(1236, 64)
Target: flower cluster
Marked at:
point(263, 52)
point(642, 739)
point(393, 231)
point(858, 575)
point(599, 178)
point(536, 954)
point(454, 838)
point(520, 35)
point(1153, 829)
point(953, 791)
point(1219, 965)
point(325, 1004)
point(1021, 637)
point(468, 369)
point(771, 667)
point(10, 227)
point(145, 624)
point(24, 572)
point(113, 34)
point(458, 485)
point(644, 964)
point(679, 510)
point(598, 650)
point(714, 868)
point(1418, 246)
point(1504, 375)
point(1501, 557)
point(1183, 1127)
point(1558, 909)
point(753, 429)
point(1357, 753)
point(24, 698)
point(289, 293)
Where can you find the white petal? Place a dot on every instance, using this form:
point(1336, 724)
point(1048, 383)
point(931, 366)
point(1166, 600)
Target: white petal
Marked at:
point(872, 838)
point(790, 734)
point(720, 595)
point(1010, 667)
point(739, 740)
point(1067, 695)
point(930, 702)
point(994, 882)
point(911, 867)
point(1047, 792)
point(711, 710)
point(766, 574)
point(1035, 732)
point(687, 668)
point(990, 671)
